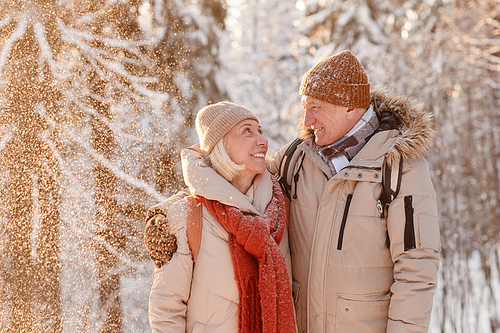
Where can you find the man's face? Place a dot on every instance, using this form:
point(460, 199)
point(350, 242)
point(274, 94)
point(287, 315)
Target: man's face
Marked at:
point(329, 122)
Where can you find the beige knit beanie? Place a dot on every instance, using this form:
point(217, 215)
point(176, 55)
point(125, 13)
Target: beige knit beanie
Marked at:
point(339, 80)
point(214, 121)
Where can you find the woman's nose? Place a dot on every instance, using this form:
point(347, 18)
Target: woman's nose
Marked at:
point(261, 140)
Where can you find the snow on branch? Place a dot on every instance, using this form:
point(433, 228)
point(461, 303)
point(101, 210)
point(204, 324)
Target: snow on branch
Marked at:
point(72, 35)
point(44, 136)
point(365, 17)
point(46, 52)
point(88, 233)
point(482, 50)
point(71, 96)
point(154, 96)
point(18, 33)
point(141, 266)
point(5, 21)
point(158, 15)
point(116, 65)
point(312, 21)
point(137, 183)
point(5, 139)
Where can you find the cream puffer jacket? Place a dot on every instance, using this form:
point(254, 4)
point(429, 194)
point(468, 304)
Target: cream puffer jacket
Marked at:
point(351, 271)
point(204, 297)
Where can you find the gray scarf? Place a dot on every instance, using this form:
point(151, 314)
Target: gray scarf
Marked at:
point(350, 145)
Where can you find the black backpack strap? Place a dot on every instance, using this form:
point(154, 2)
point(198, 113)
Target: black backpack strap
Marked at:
point(388, 194)
point(282, 175)
point(296, 176)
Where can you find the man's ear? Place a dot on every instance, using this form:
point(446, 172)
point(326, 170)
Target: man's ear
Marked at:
point(351, 113)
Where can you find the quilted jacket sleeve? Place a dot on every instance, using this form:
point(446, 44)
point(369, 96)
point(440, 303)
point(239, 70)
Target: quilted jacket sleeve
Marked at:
point(413, 229)
point(172, 282)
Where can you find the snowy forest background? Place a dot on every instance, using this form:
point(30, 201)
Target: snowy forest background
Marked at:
point(98, 96)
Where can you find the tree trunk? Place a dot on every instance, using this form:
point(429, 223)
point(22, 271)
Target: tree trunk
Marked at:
point(33, 195)
point(106, 219)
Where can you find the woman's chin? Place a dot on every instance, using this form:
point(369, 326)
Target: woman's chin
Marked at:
point(260, 170)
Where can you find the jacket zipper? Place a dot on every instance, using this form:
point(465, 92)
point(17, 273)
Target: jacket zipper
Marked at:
point(409, 238)
point(344, 220)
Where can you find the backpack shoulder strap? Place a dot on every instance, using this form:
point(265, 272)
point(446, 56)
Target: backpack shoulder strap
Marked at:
point(388, 194)
point(285, 167)
point(194, 225)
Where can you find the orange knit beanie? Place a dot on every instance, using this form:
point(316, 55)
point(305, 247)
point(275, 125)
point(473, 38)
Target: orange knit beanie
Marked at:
point(339, 80)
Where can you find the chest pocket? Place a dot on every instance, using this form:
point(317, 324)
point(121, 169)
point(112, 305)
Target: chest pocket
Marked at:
point(361, 237)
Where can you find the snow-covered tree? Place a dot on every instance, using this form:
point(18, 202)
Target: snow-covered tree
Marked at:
point(96, 98)
point(261, 67)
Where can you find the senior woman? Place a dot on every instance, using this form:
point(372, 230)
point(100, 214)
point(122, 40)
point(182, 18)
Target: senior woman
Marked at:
point(240, 281)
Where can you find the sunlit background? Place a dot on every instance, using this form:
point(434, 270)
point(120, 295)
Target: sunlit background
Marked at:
point(97, 97)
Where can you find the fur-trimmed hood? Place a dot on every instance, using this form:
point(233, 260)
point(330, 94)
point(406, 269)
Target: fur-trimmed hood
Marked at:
point(414, 123)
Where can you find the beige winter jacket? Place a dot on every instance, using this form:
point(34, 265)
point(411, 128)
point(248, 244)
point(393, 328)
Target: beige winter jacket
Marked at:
point(345, 278)
point(203, 297)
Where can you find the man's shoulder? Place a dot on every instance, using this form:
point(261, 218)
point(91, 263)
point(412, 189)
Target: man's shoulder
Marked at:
point(275, 161)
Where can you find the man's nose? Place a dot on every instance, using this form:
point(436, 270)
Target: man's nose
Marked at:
point(308, 118)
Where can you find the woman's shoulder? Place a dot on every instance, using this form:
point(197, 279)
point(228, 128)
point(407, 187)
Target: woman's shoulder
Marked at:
point(177, 215)
point(172, 212)
point(176, 222)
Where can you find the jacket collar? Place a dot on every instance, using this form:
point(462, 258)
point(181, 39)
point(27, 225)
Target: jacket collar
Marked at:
point(370, 157)
point(202, 180)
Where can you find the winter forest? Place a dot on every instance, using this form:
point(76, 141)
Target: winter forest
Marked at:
point(97, 97)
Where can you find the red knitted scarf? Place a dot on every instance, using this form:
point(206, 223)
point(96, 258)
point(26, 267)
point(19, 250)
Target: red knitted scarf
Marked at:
point(265, 299)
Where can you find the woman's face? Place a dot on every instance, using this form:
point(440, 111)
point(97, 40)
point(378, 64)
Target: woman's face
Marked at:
point(245, 144)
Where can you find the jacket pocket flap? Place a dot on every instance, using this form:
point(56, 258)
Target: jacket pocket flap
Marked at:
point(198, 327)
point(362, 312)
point(371, 297)
point(428, 230)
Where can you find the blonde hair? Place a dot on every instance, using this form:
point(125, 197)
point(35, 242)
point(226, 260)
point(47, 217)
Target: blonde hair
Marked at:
point(222, 163)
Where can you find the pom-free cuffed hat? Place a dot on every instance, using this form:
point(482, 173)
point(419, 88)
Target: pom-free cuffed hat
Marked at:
point(214, 121)
point(339, 80)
